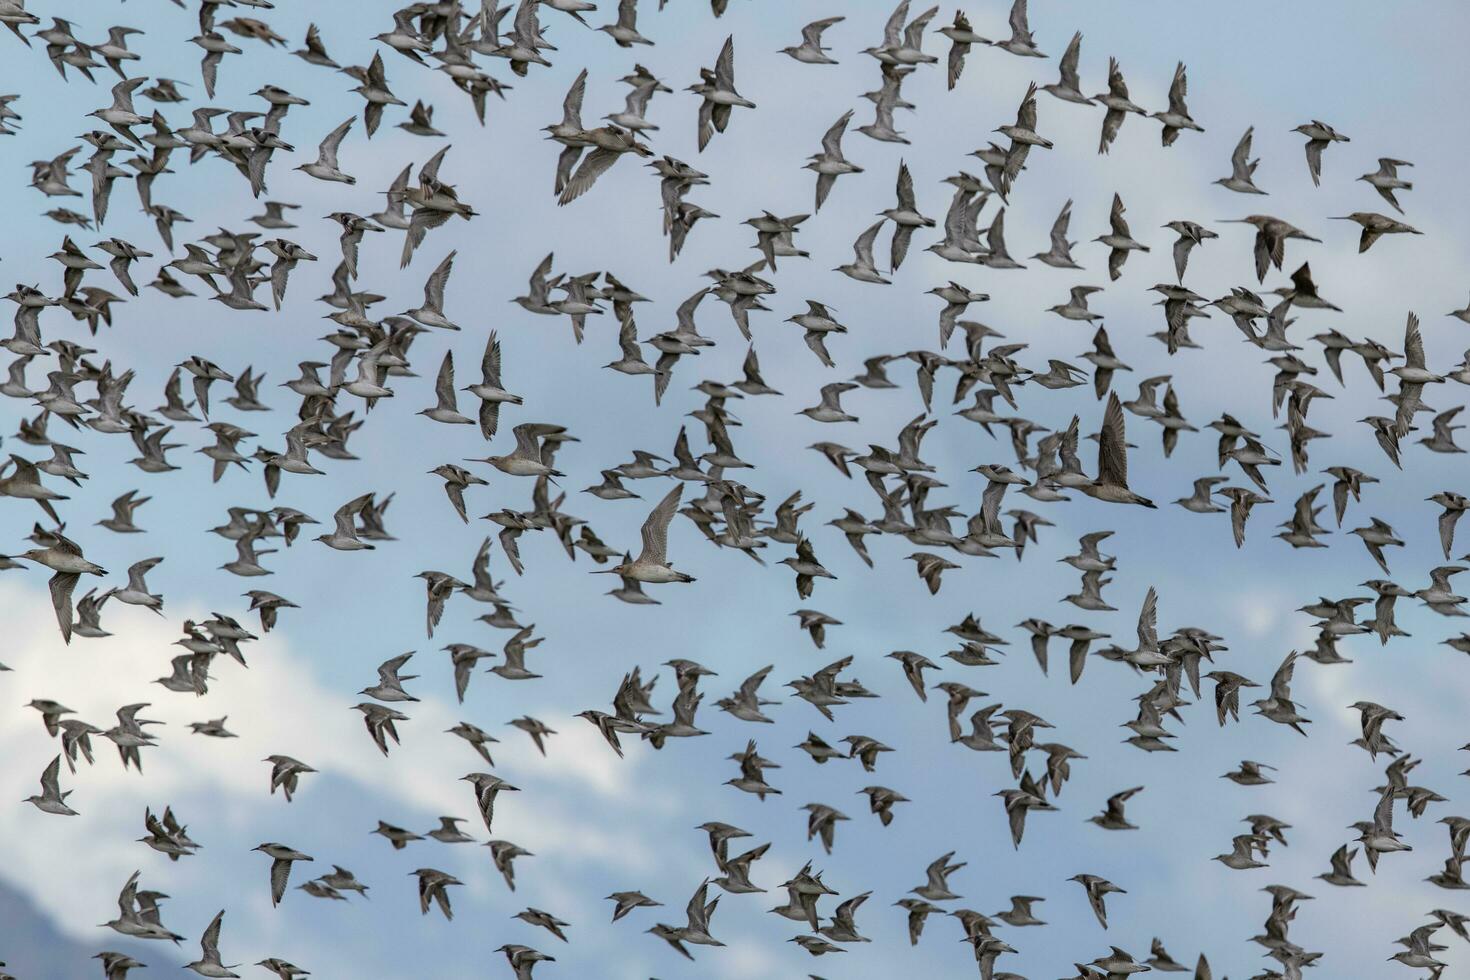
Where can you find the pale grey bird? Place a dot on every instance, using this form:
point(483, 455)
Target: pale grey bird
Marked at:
point(1242, 499)
point(628, 901)
point(530, 457)
point(456, 479)
point(1413, 375)
point(420, 120)
point(609, 144)
point(816, 623)
point(514, 667)
point(115, 966)
point(829, 409)
point(1318, 135)
point(936, 887)
point(1438, 595)
point(487, 788)
point(379, 720)
point(1249, 774)
point(136, 592)
point(537, 917)
point(448, 831)
point(811, 50)
point(1113, 817)
point(1059, 256)
point(1023, 137)
point(209, 963)
point(1118, 106)
point(345, 536)
point(1242, 168)
point(643, 87)
point(962, 37)
point(1069, 87)
point(215, 48)
point(1271, 236)
point(1097, 889)
point(214, 728)
point(914, 665)
point(1201, 500)
point(63, 557)
point(503, 854)
point(1090, 596)
point(285, 771)
point(398, 837)
point(1020, 914)
point(89, 612)
point(536, 729)
point(830, 163)
point(282, 857)
point(652, 565)
point(326, 167)
point(1375, 226)
point(885, 100)
point(432, 885)
point(1242, 856)
point(625, 30)
point(477, 738)
point(51, 799)
point(268, 604)
point(818, 322)
point(523, 959)
point(957, 300)
point(1021, 42)
point(1076, 306)
point(390, 683)
point(903, 44)
point(121, 521)
point(1119, 240)
point(491, 391)
point(1190, 234)
point(1119, 964)
point(138, 913)
point(1176, 118)
point(905, 217)
point(1111, 485)
point(1443, 438)
point(1454, 505)
point(698, 914)
point(930, 568)
point(746, 703)
point(431, 313)
point(1385, 180)
point(717, 90)
point(862, 268)
point(1279, 707)
point(123, 254)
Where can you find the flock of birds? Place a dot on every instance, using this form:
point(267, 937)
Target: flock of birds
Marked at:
point(368, 358)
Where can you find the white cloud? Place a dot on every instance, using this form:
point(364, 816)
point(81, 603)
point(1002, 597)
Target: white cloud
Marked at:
point(220, 786)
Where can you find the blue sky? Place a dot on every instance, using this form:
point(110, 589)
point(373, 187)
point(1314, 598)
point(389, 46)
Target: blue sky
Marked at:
point(599, 824)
